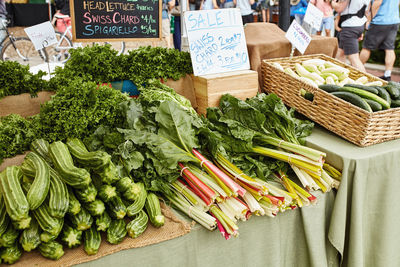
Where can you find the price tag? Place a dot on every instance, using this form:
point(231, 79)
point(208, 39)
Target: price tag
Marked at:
point(298, 36)
point(216, 41)
point(313, 16)
point(42, 35)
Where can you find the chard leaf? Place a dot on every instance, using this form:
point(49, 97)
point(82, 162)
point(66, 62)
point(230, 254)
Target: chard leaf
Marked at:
point(176, 125)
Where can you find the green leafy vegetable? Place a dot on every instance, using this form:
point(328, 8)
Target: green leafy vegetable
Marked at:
point(16, 79)
point(16, 134)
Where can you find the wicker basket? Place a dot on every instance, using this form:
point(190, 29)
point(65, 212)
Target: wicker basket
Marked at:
point(354, 124)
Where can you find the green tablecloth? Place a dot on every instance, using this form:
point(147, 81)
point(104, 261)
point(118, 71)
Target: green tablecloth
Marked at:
point(293, 238)
point(365, 223)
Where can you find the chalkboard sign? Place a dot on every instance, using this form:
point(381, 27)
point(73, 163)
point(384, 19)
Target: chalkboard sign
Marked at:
point(216, 41)
point(111, 20)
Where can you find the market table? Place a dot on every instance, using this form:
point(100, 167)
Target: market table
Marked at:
point(267, 40)
point(364, 226)
point(293, 238)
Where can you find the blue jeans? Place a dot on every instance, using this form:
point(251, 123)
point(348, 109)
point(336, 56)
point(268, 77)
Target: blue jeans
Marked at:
point(177, 33)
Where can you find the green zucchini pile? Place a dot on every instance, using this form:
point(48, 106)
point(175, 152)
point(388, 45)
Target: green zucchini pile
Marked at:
point(369, 98)
point(64, 195)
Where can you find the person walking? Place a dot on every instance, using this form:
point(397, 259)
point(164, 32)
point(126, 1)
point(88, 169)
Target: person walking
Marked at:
point(327, 21)
point(265, 8)
point(167, 5)
point(208, 4)
point(382, 32)
point(351, 27)
point(245, 10)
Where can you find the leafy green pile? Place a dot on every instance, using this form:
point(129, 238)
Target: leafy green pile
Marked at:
point(157, 133)
point(77, 110)
point(237, 127)
point(16, 134)
point(102, 64)
point(16, 79)
point(149, 62)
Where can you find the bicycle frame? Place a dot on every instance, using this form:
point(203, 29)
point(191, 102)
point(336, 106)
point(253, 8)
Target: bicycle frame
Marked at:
point(11, 37)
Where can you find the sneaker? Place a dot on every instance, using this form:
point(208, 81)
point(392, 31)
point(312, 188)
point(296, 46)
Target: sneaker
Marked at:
point(385, 78)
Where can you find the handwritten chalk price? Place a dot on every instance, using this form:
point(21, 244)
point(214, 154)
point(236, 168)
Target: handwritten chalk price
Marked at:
point(298, 37)
point(42, 35)
point(216, 41)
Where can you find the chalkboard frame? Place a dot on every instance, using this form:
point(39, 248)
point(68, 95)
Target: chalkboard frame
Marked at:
point(74, 39)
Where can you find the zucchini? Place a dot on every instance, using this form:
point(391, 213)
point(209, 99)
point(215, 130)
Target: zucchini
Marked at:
point(95, 208)
point(81, 221)
point(108, 174)
point(107, 192)
point(64, 165)
point(133, 192)
point(384, 94)
point(40, 186)
point(92, 241)
point(94, 159)
point(74, 206)
point(58, 195)
point(11, 254)
point(47, 237)
point(48, 223)
point(375, 106)
point(138, 205)
point(367, 95)
point(116, 232)
point(52, 250)
point(87, 194)
point(153, 209)
point(329, 88)
point(70, 236)
point(116, 208)
point(353, 99)
point(30, 237)
point(363, 87)
point(123, 184)
point(4, 218)
point(138, 225)
point(103, 221)
point(41, 147)
point(9, 237)
point(17, 205)
point(28, 169)
point(395, 103)
point(26, 184)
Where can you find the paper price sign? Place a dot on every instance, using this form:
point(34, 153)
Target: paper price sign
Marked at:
point(298, 36)
point(313, 16)
point(216, 41)
point(42, 35)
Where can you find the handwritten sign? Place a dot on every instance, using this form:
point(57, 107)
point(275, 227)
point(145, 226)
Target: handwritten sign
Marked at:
point(104, 20)
point(42, 35)
point(313, 16)
point(216, 41)
point(298, 36)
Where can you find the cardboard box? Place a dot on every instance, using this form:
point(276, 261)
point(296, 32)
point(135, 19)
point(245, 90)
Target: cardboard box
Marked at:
point(209, 88)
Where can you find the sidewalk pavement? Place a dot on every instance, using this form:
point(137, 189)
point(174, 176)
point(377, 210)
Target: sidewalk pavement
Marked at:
point(378, 70)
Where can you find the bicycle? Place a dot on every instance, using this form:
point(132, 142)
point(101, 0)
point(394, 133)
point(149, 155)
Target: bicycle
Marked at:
point(19, 49)
point(59, 51)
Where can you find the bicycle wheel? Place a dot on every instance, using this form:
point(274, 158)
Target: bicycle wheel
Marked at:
point(59, 52)
point(22, 50)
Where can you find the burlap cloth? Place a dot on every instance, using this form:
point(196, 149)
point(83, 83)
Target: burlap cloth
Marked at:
point(23, 104)
point(267, 40)
point(172, 228)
